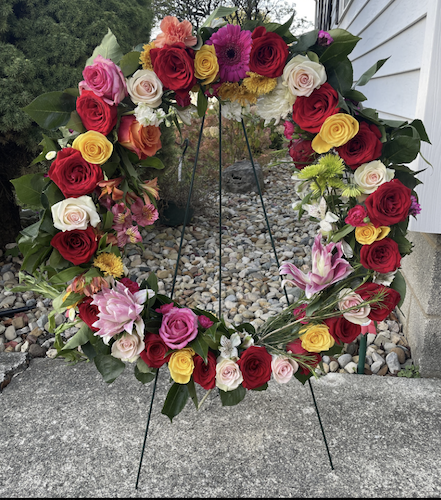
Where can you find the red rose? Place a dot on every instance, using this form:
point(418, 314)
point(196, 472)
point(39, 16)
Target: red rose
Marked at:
point(382, 256)
point(95, 113)
point(311, 112)
point(379, 311)
point(389, 204)
point(356, 216)
point(174, 66)
point(268, 53)
point(301, 153)
point(363, 148)
point(76, 246)
point(131, 285)
point(255, 365)
point(205, 374)
point(296, 348)
point(342, 330)
point(144, 141)
point(73, 175)
point(88, 313)
point(154, 352)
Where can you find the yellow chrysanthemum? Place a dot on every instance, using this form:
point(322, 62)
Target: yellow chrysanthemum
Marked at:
point(144, 57)
point(232, 91)
point(258, 84)
point(109, 264)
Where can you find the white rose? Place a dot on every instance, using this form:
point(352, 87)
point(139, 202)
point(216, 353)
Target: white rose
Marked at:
point(128, 347)
point(145, 86)
point(283, 368)
point(228, 374)
point(349, 298)
point(276, 105)
point(75, 213)
point(369, 176)
point(302, 76)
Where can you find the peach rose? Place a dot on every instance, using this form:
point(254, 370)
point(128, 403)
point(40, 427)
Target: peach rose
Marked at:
point(144, 141)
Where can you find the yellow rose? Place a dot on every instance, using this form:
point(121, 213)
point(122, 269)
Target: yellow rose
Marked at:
point(206, 67)
point(316, 338)
point(181, 365)
point(94, 147)
point(336, 130)
point(366, 235)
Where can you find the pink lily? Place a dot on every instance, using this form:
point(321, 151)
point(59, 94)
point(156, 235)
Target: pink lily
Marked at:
point(327, 268)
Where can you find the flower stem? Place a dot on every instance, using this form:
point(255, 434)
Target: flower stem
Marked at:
point(204, 398)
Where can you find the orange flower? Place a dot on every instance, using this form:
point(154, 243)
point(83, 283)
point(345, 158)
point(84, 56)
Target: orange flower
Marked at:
point(109, 188)
point(174, 32)
point(151, 189)
point(144, 141)
point(79, 285)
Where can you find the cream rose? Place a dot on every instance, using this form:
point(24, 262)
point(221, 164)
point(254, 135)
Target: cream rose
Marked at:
point(302, 76)
point(128, 347)
point(349, 299)
point(283, 368)
point(228, 374)
point(144, 86)
point(75, 213)
point(369, 176)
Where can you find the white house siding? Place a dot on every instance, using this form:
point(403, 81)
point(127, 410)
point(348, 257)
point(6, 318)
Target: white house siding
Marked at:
point(408, 86)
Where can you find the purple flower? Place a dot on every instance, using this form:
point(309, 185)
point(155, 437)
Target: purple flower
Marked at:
point(324, 38)
point(118, 310)
point(233, 47)
point(327, 268)
point(415, 207)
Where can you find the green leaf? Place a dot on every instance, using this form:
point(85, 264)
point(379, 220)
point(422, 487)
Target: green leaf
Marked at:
point(232, 398)
point(48, 145)
point(313, 56)
point(355, 95)
point(403, 147)
point(151, 162)
point(212, 336)
point(399, 284)
point(246, 327)
point(367, 75)
point(343, 44)
point(109, 367)
point(192, 393)
point(28, 188)
point(219, 12)
point(342, 233)
point(263, 387)
point(202, 103)
point(75, 123)
point(419, 127)
point(83, 335)
point(152, 282)
point(110, 168)
point(175, 401)
point(305, 41)
point(301, 377)
point(51, 110)
point(143, 367)
point(109, 49)
point(56, 261)
point(200, 347)
point(51, 195)
point(144, 378)
point(130, 63)
point(340, 76)
point(67, 275)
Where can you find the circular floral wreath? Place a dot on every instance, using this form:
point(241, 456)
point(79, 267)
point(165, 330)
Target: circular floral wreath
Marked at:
point(350, 175)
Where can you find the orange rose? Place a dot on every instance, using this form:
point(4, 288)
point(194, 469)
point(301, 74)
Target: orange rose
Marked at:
point(144, 141)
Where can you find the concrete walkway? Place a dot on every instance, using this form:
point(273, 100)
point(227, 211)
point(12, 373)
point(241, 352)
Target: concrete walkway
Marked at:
point(66, 433)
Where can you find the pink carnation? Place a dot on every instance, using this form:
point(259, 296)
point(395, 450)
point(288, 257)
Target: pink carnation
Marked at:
point(356, 216)
point(174, 31)
point(179, 327)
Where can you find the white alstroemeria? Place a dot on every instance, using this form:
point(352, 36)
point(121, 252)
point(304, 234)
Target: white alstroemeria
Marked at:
point(318, 210)
point(228, 347)
point(347, 249)
point(326, 225)
point(383, 278)
point(146, 115)
point(184, 114)
point(247, 340)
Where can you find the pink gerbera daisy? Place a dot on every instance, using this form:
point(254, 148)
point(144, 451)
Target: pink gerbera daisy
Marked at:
point(233, 47)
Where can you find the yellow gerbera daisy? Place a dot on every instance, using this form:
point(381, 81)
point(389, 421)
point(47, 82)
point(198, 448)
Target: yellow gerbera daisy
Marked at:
point(109, 264)
point(232, 91)
point(258, 84)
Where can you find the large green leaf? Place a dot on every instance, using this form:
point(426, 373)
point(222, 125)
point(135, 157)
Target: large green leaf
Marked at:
point(28, 188)
point(219, 12)
point(200, 347)
point(232, 398)
point(83, 335)
point(202, 103)
point(75, 123)
point(340, 75)
point(403, 147)
point(343, 44)
point(212, 336)
point(151, 162)
point(304, 42)
point(367, 75)
point(192, 392)
point(109, 367)
point(130, 63)
point(175, 401)
point(108, 48)
point(419, 127)
point(67, 275)
point(51, 110)
point(399, 284)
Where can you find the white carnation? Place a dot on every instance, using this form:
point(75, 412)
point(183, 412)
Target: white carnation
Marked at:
point(276, 105)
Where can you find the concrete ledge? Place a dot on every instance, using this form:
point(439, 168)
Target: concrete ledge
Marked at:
point(11, 363)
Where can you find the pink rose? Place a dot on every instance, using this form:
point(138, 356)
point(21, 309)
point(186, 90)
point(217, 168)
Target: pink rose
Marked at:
point(204, 321)
point(350, 299)
point(283, 368)
point(179, 327)
point(105, 79)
